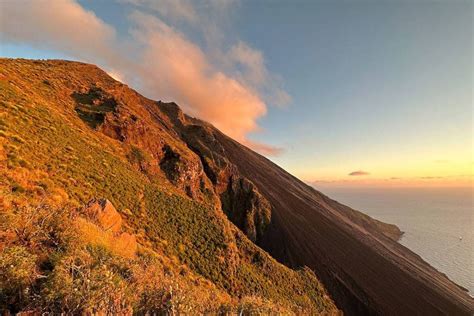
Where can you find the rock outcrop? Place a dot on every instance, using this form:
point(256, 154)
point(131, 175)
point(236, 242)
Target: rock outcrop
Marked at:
point(239, 198)
point(153, 148)
point(246, 208)
point(104, 214)
point(102, 225)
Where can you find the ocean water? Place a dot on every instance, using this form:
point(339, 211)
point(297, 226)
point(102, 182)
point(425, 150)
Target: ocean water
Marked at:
point(438, 223)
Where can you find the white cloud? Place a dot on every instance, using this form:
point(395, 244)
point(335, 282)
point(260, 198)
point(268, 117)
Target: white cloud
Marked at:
point(252, 71)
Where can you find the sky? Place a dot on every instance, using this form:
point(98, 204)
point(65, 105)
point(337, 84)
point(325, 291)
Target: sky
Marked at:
point(339, 93)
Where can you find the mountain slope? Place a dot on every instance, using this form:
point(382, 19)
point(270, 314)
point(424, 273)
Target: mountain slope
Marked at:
point(70, 133)
point(364, 270)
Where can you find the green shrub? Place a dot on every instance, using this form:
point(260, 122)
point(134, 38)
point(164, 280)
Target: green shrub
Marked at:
point(138, 157)
point(18, 188)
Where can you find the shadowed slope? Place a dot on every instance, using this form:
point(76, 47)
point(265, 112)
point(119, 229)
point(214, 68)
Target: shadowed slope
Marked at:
point(357, 257)
point(365, 271)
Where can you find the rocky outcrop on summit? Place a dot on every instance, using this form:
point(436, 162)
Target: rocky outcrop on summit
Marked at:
point(153, 147)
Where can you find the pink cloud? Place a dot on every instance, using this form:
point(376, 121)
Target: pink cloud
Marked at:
point(254, 73)
point(178, 69)
point(264, 149)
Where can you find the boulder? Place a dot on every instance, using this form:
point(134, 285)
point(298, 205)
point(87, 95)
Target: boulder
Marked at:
point(102, 225)
point(104, 214)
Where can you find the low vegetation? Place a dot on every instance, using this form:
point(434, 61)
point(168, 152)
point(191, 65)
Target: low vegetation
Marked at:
point(48, 266)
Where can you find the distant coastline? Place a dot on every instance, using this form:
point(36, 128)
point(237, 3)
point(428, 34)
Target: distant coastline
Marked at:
point(432, 221)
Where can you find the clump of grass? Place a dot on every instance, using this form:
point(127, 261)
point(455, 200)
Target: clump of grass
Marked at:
point(19, 272)
point(17, 139)
point(138, 157)
point(17, 188)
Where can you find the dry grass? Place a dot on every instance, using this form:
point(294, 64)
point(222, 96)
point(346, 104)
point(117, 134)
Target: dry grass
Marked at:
point(122, 244)
point(54, 260)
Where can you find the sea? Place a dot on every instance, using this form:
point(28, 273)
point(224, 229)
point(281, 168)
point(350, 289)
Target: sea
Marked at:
point(438, 223)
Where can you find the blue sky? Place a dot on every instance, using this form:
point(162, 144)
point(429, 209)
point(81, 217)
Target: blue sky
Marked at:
point(370, 81)
point(383, 87)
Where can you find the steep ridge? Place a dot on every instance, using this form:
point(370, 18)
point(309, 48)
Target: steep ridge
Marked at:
point(177, 179)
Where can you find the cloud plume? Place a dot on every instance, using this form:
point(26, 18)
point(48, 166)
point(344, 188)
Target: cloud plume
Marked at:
point(231, 92)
